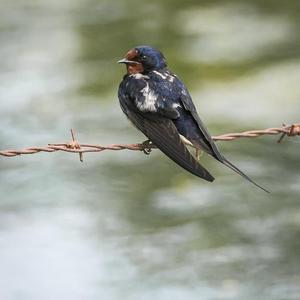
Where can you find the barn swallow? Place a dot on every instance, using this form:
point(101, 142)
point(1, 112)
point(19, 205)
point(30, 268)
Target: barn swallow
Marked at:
point(158, 103)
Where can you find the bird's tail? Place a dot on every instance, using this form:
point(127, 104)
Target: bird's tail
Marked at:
point(227, 163)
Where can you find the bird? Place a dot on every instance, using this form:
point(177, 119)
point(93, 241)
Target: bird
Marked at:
point(159, 104)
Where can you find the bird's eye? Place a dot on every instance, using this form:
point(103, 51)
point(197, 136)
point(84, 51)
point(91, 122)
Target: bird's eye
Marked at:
point(144, 58)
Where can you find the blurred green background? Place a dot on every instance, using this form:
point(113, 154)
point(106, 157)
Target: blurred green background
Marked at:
point(123, 225)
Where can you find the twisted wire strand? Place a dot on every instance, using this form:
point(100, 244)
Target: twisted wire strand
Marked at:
point(75, 147)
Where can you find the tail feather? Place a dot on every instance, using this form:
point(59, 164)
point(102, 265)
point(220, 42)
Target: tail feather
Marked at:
point(227, 163)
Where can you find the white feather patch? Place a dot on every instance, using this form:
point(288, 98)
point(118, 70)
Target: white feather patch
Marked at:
point(175, 105)
point(165, 76)
point(171, 78)
point(150, 99)
point(139, 76)
point(160, 74)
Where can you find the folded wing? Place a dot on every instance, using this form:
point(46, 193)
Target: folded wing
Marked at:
point(163, 133)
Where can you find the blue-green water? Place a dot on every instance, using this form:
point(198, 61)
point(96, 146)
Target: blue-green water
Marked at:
point(123, 225)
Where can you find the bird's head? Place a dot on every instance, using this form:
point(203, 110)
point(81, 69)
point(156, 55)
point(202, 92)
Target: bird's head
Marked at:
point(143, 59)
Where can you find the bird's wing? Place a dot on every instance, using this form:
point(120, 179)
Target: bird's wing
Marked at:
point(189, 106)
point(163, 133)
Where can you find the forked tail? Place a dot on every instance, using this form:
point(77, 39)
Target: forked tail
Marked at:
point(237, 170)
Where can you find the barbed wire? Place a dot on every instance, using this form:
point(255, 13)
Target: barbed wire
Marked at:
point(75, 147)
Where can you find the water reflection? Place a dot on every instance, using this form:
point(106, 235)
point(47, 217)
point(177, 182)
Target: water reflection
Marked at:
point(123, 225)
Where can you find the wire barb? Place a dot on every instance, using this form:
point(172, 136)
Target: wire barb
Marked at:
point(75, 147)
point(292, 130)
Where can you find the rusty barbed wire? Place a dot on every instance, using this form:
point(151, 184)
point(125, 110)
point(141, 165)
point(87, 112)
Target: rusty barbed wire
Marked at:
point(75, 147)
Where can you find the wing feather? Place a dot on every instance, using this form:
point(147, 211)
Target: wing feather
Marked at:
point(189, 106)
point(163, 133)
point(208, 141)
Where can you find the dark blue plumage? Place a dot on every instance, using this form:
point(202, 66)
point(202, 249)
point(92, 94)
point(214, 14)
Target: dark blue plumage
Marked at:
point(158, 103)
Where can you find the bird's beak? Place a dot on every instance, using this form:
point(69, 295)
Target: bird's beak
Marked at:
point(123, 61)
point(127, 61)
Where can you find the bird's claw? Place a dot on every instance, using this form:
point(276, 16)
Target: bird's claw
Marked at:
point(147, 147)
point(147, 151)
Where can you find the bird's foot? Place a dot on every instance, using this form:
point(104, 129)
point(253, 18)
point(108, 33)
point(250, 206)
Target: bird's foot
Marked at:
point(147, 147)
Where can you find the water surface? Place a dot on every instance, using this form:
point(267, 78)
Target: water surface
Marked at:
point(127, 226)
